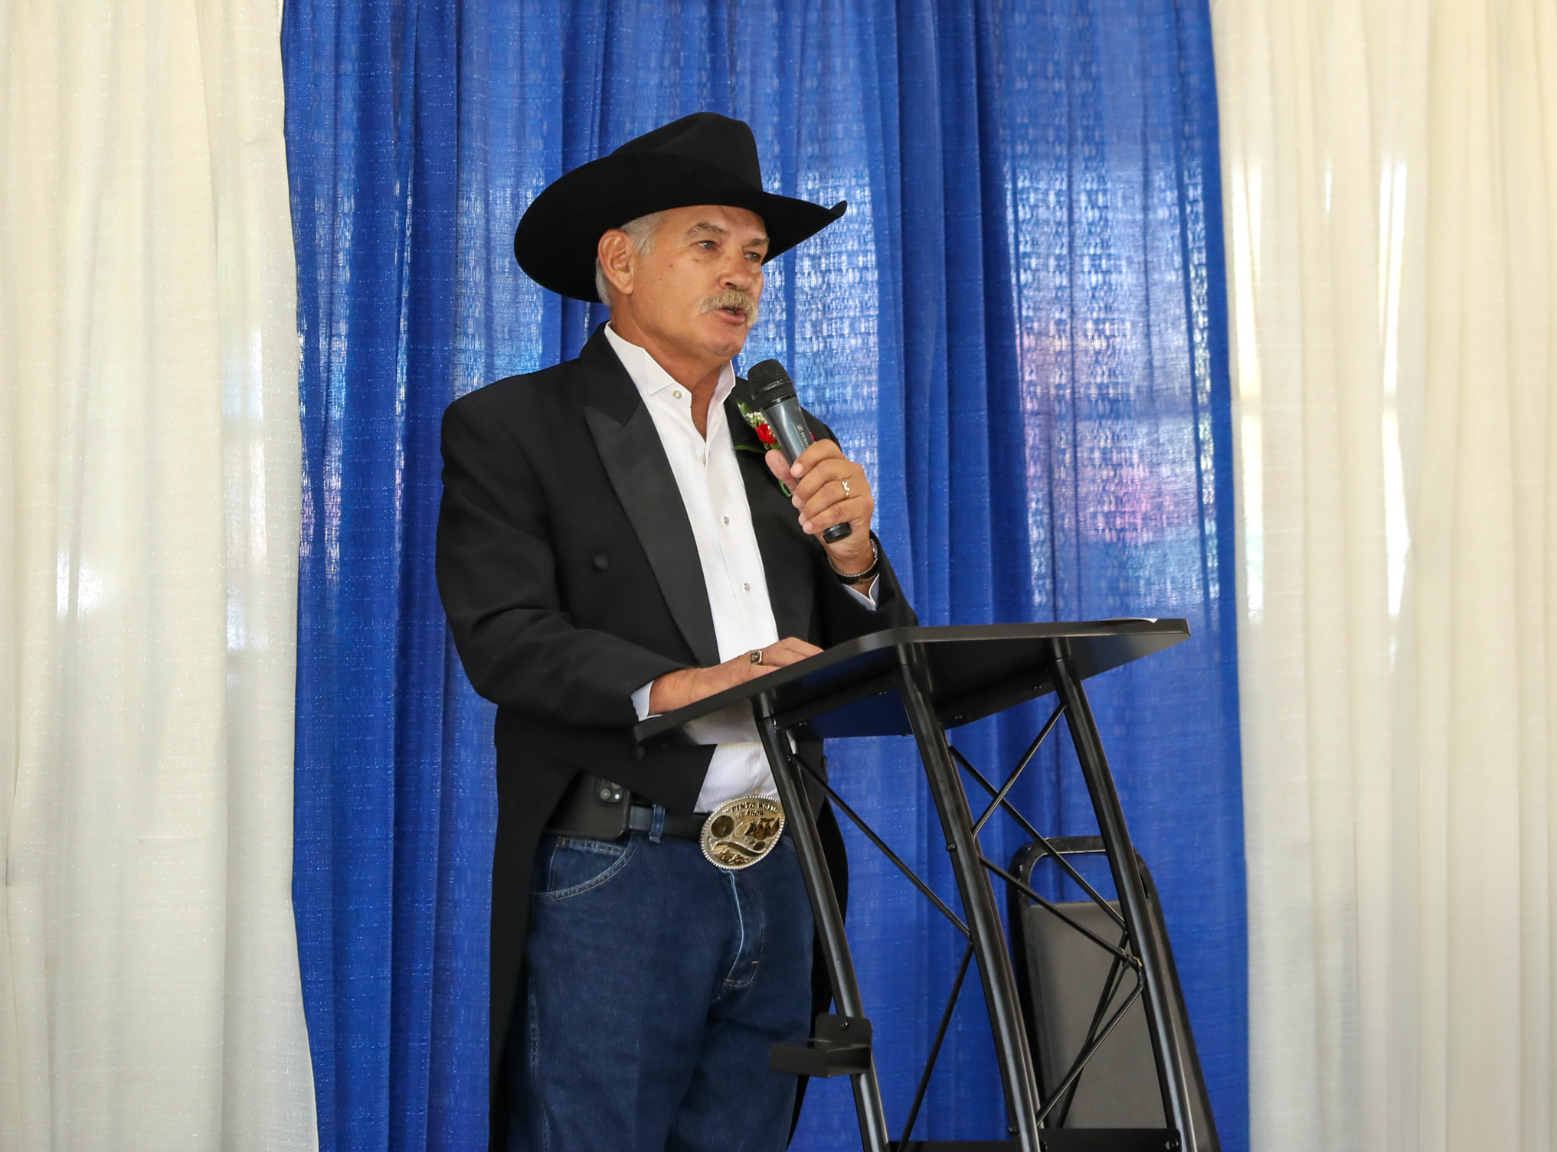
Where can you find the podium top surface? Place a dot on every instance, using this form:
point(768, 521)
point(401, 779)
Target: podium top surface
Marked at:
point(973, 671)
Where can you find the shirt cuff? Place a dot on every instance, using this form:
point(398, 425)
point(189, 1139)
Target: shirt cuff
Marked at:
point(641, 698)
point(867, 599)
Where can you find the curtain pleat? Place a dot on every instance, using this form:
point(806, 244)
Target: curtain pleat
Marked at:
point(1391, 175)
point(149, 982)
point(1018, 327)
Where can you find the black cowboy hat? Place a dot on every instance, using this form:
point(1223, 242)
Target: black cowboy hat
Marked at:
point(703, 158)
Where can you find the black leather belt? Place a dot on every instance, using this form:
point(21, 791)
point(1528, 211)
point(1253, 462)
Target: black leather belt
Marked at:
point(640, 818)
point(594, 808)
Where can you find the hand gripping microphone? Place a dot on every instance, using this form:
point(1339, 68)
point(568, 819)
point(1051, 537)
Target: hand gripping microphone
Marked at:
point(773, 392)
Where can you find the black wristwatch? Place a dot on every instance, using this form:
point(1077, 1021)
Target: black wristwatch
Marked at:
point(866, 576)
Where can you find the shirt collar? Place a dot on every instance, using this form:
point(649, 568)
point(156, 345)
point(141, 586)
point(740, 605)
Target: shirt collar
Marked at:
point(650, 379)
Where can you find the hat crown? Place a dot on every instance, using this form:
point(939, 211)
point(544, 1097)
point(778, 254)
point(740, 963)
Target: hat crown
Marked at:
point(705, 136)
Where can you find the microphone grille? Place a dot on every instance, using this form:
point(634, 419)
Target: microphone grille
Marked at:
point(769, 384)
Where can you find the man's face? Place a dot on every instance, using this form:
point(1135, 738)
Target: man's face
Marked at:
point(698, 285)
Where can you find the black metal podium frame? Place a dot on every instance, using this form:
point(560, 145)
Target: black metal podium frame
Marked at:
point(923, 681)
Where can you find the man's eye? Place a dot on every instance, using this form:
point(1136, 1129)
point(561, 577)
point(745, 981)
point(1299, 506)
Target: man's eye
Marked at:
point(757, 256)
point(708, 244)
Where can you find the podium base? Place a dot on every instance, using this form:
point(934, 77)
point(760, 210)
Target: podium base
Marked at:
point(841, 1047)
point(1061, 1140)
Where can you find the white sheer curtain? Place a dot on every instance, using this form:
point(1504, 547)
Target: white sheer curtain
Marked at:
point(1390, 178)
point(149, 991)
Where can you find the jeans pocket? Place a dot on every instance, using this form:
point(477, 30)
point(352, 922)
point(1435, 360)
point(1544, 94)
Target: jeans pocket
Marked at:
point(575, 866)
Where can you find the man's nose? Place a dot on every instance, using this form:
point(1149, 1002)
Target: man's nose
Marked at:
point(739, 274)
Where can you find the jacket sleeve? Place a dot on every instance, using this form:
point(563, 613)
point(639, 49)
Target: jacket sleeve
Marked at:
point(843, 616)
point(497, 578)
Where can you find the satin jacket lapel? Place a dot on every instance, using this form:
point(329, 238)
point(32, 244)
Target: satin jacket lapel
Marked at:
point(783, 546)
point(635, 461)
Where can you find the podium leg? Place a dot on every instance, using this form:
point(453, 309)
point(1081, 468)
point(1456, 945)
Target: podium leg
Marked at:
point(829, 918)
point(983, 916)
point(1167, 1044)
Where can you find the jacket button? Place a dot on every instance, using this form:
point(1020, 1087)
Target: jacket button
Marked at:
point(601, 562)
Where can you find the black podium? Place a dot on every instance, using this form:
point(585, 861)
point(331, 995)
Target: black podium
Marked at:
point(922, 681)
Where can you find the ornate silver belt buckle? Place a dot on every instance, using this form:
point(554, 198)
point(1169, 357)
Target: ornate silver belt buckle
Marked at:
point(742, 831)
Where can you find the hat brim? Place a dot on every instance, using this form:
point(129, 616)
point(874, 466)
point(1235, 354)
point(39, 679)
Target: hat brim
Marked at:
point(557, 236)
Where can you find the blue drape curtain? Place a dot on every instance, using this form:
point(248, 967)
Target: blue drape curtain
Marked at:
point(1018, 328)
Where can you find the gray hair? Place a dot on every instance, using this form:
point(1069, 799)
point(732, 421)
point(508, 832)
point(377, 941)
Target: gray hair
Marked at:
point(641, 232)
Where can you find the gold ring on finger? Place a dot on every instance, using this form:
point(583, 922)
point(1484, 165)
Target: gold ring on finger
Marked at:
point(846, 491)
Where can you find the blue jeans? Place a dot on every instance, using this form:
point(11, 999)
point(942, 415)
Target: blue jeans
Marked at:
point(656, 984)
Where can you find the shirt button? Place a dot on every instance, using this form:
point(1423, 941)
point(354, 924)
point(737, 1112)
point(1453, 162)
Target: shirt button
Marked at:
point(747, 587)
point(677, 393)
point(726, 519)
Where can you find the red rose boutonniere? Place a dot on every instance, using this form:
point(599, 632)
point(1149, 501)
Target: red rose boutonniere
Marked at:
point(760, 425)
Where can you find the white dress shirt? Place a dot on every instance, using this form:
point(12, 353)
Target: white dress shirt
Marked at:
point(709, 479)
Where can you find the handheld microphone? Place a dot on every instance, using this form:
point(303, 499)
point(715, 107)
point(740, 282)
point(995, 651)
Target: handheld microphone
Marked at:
point(774, 394)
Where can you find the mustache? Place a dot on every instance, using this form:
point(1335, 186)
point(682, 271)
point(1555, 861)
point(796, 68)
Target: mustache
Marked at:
point(734, 298)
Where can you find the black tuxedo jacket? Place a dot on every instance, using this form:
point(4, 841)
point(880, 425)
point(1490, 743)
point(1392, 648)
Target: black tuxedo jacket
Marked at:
point(570, 577)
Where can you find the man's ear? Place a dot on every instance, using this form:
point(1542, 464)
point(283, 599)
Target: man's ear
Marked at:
point(616, 252)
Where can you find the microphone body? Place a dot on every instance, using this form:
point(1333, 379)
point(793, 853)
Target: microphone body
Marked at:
point(774, 394)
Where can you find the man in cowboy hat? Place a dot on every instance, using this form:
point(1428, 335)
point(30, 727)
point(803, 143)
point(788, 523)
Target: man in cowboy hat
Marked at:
point(616, 541)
